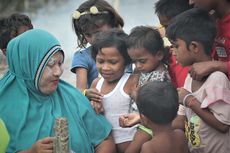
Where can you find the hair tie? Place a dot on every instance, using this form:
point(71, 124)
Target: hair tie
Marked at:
point(93, 10)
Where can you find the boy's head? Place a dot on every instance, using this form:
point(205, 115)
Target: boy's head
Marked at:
point(167, 9)
point(158, 101)
point(11, 27)
point(194, 27)
point(94, 16)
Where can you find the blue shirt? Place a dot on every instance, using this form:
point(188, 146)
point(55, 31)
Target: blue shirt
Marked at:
point(83, 59)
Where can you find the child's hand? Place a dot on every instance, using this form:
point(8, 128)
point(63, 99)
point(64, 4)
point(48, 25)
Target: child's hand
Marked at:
point(129, 120)
point(98, 107)
point(181, 94)
point(43, 146)
point(200, 70)
point(94, 95)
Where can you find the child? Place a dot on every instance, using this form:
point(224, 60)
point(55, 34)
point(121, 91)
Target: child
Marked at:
point(206, 102)
point(166, 10)
point(221, 49)
point(11, 27)
point(146, 49)
point(91, 17)
point(157, 103)
point(110, 52)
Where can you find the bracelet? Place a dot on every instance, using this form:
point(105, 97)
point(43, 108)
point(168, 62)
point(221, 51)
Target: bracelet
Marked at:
point(184, 100)
point(84, 92)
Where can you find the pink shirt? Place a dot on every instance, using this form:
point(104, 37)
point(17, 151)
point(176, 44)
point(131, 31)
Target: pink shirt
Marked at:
point(214, 94)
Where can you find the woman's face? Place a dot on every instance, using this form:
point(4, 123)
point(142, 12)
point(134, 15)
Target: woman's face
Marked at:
point(51, 75)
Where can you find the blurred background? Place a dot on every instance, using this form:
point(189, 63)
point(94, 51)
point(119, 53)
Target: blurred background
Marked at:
point(55, 17)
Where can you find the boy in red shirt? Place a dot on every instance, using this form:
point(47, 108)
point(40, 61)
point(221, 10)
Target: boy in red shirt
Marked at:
point(221, 48)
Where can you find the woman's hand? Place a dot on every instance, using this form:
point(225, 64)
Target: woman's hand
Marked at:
point(129, 120)
point(41, 146)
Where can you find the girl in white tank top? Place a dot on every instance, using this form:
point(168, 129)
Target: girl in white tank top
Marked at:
point(110, 53)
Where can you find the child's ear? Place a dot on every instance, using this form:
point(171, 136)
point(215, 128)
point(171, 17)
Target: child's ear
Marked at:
point(160, 55)
point(194, 47)
point(144, 120)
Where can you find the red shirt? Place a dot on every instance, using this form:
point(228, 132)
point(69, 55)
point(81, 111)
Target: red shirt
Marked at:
point(177, 72)
point(222, 42)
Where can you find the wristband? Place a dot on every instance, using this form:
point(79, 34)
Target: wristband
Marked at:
point(184, 100)
point(84, 92)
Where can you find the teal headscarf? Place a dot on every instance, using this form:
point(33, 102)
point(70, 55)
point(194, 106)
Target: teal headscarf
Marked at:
point(28, 114)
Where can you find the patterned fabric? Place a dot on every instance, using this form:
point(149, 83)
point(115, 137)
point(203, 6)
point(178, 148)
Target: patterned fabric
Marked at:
point(221, 49)
point(156, 75)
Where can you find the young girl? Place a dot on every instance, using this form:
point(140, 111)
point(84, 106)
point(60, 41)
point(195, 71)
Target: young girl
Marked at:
point(206, 102)
point(91, 17)
point(110, 53)
point(146, 49)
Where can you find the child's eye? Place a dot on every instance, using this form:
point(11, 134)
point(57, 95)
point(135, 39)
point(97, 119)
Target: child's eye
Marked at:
point(113, 62)
point(100, 61)
point(142, 61)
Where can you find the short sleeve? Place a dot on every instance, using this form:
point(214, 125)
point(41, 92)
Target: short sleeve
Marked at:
point(81, 59)
point(217, 97)
point(181, 110)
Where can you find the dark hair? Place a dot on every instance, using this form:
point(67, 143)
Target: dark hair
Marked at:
point(147, 38)
point(92, 21)
point(9, 27)
point(112, 38)
point(158, 101)
point(193, 25)
point(171, 8)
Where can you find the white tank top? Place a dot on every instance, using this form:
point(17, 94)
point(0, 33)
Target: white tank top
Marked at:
point(117, 103)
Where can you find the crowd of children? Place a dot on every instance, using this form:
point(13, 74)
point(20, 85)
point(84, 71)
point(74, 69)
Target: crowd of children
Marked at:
point(178, 93)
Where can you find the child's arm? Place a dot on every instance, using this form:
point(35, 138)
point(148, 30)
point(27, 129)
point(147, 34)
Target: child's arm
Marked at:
point(203, 113)
point(200, 70)
point(107, 146)
point(81, 78)
point(140, 138)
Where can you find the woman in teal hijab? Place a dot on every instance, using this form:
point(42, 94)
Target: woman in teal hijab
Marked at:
point(32, 96)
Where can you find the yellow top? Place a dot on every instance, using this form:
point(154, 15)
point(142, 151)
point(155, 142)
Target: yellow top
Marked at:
point(4, 137)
